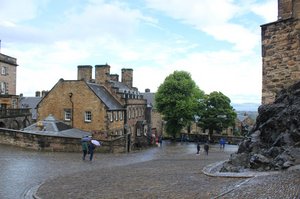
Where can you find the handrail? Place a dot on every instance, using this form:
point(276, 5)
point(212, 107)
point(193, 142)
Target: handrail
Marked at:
point(7, 113)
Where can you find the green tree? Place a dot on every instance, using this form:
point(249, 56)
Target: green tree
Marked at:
point(217, 113)
point(177, 100)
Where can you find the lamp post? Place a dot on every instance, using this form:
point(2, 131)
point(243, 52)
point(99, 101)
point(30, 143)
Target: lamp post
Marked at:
point(72, 109)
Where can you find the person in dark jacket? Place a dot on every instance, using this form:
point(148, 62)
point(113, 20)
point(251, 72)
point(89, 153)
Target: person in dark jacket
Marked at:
point(84, 146)
point(91, 150)
point(206, 148)
point(198, 148)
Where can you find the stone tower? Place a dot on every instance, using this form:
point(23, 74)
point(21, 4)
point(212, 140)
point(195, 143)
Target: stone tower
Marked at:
point(281, 50)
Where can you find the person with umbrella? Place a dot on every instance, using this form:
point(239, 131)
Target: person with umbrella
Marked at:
point(92, 147)
point(91, 150)
point(84, 146)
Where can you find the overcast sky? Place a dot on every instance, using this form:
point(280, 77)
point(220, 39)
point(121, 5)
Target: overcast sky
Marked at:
point(217, 41)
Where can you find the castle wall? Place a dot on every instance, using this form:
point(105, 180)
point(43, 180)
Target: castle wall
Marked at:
point(280, 50)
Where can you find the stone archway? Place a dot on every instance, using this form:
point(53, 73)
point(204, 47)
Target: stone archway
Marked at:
point(15, 125)
point(2, 125)
point(25, 123)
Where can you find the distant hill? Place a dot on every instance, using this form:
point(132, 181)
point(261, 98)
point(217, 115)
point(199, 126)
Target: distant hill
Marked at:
point(246, 107)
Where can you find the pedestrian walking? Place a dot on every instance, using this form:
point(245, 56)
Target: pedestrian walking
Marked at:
point(160, 140)
point(222, 143)
point(84, 146)
point(206, 148)
point(198, 148)
point(91, 150)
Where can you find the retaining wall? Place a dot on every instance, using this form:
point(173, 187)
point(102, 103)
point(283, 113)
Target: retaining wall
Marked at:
point(55, 143)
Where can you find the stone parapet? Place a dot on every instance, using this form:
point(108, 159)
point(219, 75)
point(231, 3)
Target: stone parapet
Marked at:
point(40, 142)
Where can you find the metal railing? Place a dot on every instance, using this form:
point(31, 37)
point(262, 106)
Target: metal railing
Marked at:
point(18, 112)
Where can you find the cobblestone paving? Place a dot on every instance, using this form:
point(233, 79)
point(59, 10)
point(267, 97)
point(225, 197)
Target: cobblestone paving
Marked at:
point(282, 185)
point(175, 173)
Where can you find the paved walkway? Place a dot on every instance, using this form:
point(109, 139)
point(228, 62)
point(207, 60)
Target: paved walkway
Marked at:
point(173, 171)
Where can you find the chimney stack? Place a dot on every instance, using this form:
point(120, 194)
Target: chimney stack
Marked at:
point(102, 74)
point(84, 73)
point(127, 76)
point(44, 93)
point(114, 77)
point(38, 94)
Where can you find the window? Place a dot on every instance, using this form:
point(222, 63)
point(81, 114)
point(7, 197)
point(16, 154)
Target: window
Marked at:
point(138, 132)
point(68, 115)
point(110, 115)
point(14, 103)
point(3, 70)
point(116, 115)
point(88, 116)
point(121, 115)
point(3, 88)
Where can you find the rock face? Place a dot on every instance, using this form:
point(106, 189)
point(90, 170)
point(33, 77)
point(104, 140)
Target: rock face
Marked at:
point(274, 141)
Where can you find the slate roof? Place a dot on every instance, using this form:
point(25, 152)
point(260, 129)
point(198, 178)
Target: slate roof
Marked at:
point(105, 97)
point(53, 127)
point(150, 98)
point(123, 88)
point(30, 102)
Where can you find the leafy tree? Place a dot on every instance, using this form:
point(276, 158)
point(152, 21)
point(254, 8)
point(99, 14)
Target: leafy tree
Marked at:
point(177, 100)
point(217, 113)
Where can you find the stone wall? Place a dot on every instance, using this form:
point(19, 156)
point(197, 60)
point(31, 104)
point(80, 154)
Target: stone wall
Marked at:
point(56, 143)
point(280, 56)
point(157, 122)
point(280, 50)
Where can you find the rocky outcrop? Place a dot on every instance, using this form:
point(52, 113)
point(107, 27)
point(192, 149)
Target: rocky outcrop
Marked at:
point(274, 141)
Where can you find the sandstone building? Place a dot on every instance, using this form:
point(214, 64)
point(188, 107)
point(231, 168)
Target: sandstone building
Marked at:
point(103, 106)
point(11, 116)
point(280, 50)
point(155, 119)
point(8, 80)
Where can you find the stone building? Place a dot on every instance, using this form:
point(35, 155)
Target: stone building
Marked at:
point(8, 80)
point(103, 106)
point(280, 50)
point(244, 123)
point(153, 116)
point(31, 103)
point(11, 116)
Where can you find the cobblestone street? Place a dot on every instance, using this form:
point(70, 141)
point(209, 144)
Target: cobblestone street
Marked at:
point(173, 171)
